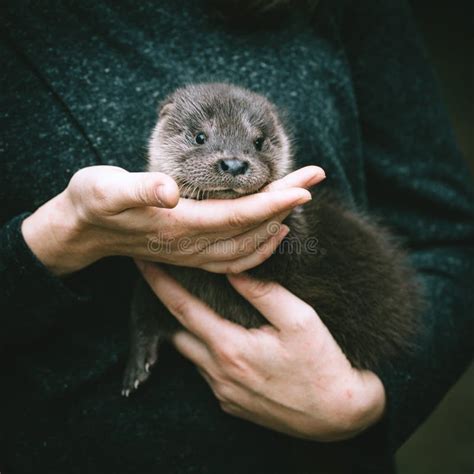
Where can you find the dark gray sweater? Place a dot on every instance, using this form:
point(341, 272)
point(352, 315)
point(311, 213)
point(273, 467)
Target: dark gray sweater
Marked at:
point(80, 83)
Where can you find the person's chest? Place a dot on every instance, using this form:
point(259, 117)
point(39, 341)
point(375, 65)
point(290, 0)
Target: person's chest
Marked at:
point(112, 65)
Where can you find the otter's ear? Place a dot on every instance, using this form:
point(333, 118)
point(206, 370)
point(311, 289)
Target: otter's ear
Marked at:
point(165, 108)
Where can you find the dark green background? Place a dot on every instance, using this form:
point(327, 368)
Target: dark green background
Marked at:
point(445, 443)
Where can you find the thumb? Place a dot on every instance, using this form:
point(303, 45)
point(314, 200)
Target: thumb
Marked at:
point(128, 190)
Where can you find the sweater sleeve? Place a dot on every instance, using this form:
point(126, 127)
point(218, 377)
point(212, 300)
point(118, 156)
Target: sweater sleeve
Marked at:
point(31, 297)
point(421, 187)
point(40, 148)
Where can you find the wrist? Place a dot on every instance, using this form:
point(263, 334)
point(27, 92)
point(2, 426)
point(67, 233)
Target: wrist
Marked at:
point(58, 237)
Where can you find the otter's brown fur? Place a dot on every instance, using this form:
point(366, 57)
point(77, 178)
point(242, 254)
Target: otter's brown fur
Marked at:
point(338, 260)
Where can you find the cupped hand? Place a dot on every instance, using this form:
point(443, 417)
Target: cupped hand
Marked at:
point(106, 211)
point(290, 376)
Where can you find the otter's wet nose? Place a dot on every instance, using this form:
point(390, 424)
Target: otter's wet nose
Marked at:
point(233, 166)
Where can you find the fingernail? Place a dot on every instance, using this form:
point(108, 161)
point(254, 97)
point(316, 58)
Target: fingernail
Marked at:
point(284, 231)
point(303, 199)
point(319, 176)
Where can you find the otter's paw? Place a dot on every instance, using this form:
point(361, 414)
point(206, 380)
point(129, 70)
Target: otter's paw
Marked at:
point(138, 369)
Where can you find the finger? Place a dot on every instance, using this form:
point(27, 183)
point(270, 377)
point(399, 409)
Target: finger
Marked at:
point(190, 311)
point(206, 377)
point(226, 394)
point(262, 253)
point(230, 395)
point(304, 178)
point(236, 215)
point(128, 190)
point(240, 245)
point(193, 349)
point(223, 246)
point(280, 307)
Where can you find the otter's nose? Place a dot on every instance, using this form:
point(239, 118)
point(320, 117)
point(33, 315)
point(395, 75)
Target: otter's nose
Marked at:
point(233, 166)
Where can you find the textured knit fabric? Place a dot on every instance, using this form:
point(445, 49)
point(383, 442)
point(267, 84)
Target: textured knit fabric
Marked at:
point(80, 84)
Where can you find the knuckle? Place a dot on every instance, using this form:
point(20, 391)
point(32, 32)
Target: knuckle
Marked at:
point(77, 178)
point(83, 176)
point(228, 408)
point(224, 352)
point(180, 307)
point(223, 391)
point(260, 289)
point(232, 360)
point(236, 220)
point(234, 267)
point(100, 191)
point(304, 321)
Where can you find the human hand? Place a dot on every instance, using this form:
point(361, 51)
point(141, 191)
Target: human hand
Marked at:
point(290, 376)
point(106, 211)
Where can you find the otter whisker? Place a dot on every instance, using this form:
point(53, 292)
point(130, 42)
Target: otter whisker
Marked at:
point(187, 189)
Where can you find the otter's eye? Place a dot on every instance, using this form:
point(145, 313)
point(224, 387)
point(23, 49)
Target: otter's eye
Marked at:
point(200, 138)
point(258, 143)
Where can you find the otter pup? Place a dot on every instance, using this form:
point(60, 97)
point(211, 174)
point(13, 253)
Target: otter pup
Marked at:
point(223, 141)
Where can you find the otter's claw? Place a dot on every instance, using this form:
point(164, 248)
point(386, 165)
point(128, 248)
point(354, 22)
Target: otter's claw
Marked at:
point(137, 371)
point(143, 353)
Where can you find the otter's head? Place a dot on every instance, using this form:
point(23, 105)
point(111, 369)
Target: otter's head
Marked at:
point(219, 141)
